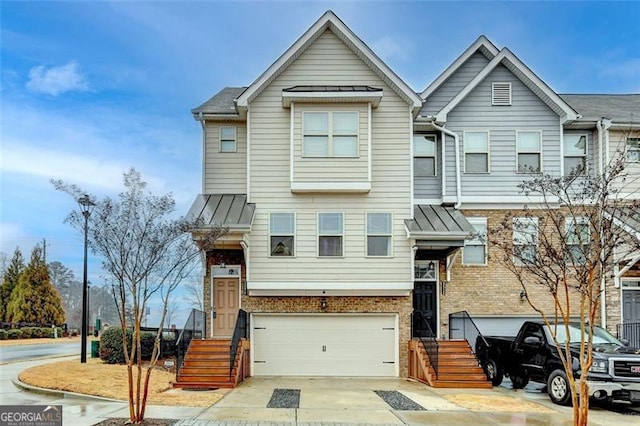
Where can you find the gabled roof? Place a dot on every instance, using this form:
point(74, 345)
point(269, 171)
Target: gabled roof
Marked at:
point(222, 102)
point(329, 21)
point(524, 74)
point(482, 44)
point(617, 108)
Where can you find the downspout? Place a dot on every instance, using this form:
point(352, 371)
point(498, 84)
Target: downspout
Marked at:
point(603, 127)
point(456, 142)
point(600, 141)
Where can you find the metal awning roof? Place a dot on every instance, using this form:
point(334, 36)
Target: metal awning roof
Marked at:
point(229, 210)
point(438, 224)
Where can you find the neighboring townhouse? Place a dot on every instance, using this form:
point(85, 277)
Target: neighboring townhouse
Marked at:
point(350, 199)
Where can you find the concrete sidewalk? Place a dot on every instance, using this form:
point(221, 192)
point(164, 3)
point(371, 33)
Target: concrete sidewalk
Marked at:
point(323, 401)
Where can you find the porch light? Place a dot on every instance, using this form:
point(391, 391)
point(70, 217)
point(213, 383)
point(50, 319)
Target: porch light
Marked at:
point(523, 296)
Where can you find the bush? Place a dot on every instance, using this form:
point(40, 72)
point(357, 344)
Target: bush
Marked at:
point(111, 350)
point(147, 339)
point(3, 334)
point(14, 333)
point(52, 334)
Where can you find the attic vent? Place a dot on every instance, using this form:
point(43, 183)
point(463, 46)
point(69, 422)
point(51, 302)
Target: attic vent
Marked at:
point(501, 94)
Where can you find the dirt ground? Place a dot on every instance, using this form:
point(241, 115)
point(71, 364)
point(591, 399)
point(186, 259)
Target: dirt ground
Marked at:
point(110, 381)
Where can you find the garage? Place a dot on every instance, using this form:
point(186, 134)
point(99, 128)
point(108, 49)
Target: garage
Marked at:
point(324, 345)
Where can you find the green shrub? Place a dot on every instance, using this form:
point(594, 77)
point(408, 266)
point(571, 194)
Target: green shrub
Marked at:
point(3, 334)
point(147, 339)
point(14, 333)
point(111, 350)
point(26, 332)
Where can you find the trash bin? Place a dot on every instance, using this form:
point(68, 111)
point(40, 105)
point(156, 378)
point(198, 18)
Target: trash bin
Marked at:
point(95, 349)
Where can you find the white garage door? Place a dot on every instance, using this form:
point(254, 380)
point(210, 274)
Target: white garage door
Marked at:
point(324, 345)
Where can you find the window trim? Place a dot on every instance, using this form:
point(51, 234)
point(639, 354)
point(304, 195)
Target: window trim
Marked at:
point(465, 151)
point(585, 156)
point(221, 139)
point(474, 241)
point(636, 150)
point(374, 234)
point(330, 134)
point(580, 220)
point(539, 152)
point(319, 234)
point(535, 222)
point(282, 234)
point(434, 156)
point(505, 86)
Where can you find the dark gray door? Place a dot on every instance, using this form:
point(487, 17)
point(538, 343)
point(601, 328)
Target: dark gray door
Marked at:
point(631, 306)
point(424, 309)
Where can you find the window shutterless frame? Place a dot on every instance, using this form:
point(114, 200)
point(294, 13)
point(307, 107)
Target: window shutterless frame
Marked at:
point(282, 234)
point(578, 238)
point(228, 139)
point(330, 134)
point(633, 150)
point(330, 234)
point(475, 250)
point(528, 151)
point(477, 151)
point(525, 239)
point(424, 155)
point(379, 234)
point(575, 152)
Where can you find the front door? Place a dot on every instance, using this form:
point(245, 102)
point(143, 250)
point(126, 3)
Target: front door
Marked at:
point(631, 306)
point(424, 308)
point(225, 304)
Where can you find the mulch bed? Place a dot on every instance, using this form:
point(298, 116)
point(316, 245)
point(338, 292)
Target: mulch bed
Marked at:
point(145, 422)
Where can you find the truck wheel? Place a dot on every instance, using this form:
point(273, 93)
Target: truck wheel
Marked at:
point(558, 388)
point(519, 382)
point(494, 372)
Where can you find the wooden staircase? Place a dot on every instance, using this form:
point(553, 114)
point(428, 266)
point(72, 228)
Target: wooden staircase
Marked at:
point(457, 366)
point(206, 365)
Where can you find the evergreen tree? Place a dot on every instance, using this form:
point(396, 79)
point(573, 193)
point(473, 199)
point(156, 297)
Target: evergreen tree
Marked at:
point(35, 299)
point(11, 276)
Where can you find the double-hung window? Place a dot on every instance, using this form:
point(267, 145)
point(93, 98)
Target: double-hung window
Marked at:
point(424, 155)
point(379, 232)
point(228, 139)
point(575, 154)
point(330, 134)
point(633, 150)
point(282, 234)
point(525, 240)
point(577, 237)
point(476, 152)
point(330, 234)
point(475, 249)
point(529, 151)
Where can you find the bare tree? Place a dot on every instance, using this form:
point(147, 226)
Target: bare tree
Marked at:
point(172, 308)
point(566, 248)
point(147, 254)
point(193, 292)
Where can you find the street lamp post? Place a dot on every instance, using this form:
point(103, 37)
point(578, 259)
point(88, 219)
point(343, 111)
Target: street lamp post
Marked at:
point(85, 207)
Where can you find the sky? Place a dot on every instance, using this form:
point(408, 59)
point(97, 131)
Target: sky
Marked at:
point(91, 89)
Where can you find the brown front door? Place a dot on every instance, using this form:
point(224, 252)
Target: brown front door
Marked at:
point(225, 302)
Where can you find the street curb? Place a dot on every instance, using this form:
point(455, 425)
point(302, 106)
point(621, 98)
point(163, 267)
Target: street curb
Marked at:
point(40, 358)
point(61, 394)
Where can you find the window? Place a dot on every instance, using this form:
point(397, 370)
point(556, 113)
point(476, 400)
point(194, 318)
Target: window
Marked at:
point(379, 231)
point(529, 152)
point(525, 240)
point(476, 152)
point(501, 94)
point(575, 154)
point(330, 134)
point(330, 234)
point(633, 150)
point(577, 237)
point(227, 139)
point(424, 155)
point(475, 249)
point(282, 230)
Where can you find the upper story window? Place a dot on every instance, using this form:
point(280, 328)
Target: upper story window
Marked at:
point(633, 150)
point(330, 234)
point(476, 152)
point(501, 94)
point(475, 249)
point(330, 134)
point(282, 234)
point(379, 233)
point(228, 139)
point(529, 151)
point(575, 154)
point(577, 237)
point(525, 240)
point(424, 155)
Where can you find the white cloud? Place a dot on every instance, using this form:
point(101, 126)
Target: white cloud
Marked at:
point(57, 80)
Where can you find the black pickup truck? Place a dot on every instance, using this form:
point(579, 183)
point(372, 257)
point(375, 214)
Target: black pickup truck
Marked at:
point(532, 356)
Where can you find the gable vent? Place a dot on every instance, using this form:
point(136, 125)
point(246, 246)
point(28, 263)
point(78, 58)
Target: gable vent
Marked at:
point(501, 94)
